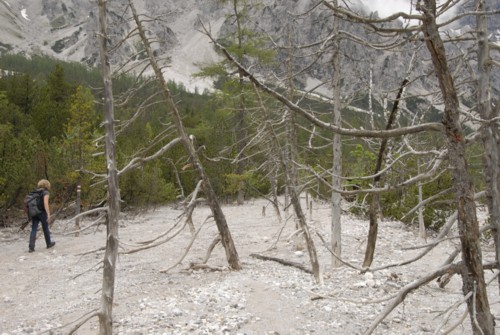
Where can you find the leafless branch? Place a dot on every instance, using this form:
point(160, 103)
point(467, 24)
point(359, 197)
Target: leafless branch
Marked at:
point(314, 120)
point(95, 222)
point(283, 262)
point(83, 320)
point(193, 238)
point(137, 161)
point(407, 289)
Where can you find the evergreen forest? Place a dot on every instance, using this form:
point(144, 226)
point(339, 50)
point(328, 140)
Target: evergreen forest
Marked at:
point(51, 127)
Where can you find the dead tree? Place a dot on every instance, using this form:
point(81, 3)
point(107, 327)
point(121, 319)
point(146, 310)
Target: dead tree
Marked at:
point(473, 277)
point(472, 272)
point(111, 253)
point(336, 198)
point(311, 249)
point(489, 127)
point(287, 161)
point(329, 126)
point(375, 201)
point(213, 202)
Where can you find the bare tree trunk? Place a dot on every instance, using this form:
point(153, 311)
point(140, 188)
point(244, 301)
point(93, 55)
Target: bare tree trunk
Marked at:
point(292, 183)
point(213, 201)
point(291, 174)
point(311, 249)
point(274, 189)
point(375, 199)
point(111, 253)
point(241, 140)
point(472, 272)
point(421, 223)
point(290, 156)
point(372, 230)
point(288, 162)
point(370, 100)
point(77, 208)
point(336, 208)
point(489, 129)
point(240, 115)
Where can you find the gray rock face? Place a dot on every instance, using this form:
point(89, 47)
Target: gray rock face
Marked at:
point(66, 29)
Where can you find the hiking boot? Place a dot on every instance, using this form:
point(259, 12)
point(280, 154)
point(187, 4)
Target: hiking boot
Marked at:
point(51, 245)
point(31, 250)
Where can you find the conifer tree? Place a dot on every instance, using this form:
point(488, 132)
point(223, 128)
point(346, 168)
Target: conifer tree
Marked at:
point(80, 131)
point(245, 44)
point(51, 107)
point(21, 90)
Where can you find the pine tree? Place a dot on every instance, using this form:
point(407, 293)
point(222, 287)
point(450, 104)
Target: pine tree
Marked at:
point(51, 110)
point(78, 143)
point(247, 46)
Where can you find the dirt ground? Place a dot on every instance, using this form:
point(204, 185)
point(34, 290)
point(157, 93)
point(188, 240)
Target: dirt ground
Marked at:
point(46, 292)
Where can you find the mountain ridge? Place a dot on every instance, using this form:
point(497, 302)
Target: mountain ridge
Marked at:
point(67, 30)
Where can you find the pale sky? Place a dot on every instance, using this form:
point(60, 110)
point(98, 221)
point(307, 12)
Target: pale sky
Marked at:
point(388, 7)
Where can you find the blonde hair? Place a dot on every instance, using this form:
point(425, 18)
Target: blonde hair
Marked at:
point(44, 183)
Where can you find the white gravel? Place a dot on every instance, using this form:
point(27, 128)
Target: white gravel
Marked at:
point(47, 291)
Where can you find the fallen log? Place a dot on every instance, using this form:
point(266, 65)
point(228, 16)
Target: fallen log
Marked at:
point(283, 262)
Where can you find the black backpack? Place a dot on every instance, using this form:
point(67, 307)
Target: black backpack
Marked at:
point(33, 203)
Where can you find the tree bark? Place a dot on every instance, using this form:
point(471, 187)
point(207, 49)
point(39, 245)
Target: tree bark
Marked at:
point(336, 209)
point(292, 184)
point(240, 115)
point(375, 199)
point(489, 129)
point(111, 253)
point(282, 261)
point(422, 233)
point(472, 270)
point(311, 249)
point(213, 201)
point(77, 208)
point(288, 160)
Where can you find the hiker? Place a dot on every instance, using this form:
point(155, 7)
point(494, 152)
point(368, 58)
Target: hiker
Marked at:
point(44, 187)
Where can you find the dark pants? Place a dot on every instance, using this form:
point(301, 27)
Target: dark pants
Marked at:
point(34, 227)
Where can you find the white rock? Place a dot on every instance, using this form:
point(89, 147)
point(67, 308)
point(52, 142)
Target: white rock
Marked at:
point(360, 284)
point(177, 312)
point(368, 275)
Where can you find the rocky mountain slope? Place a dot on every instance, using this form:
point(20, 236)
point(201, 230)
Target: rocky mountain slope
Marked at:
point(66, 29)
